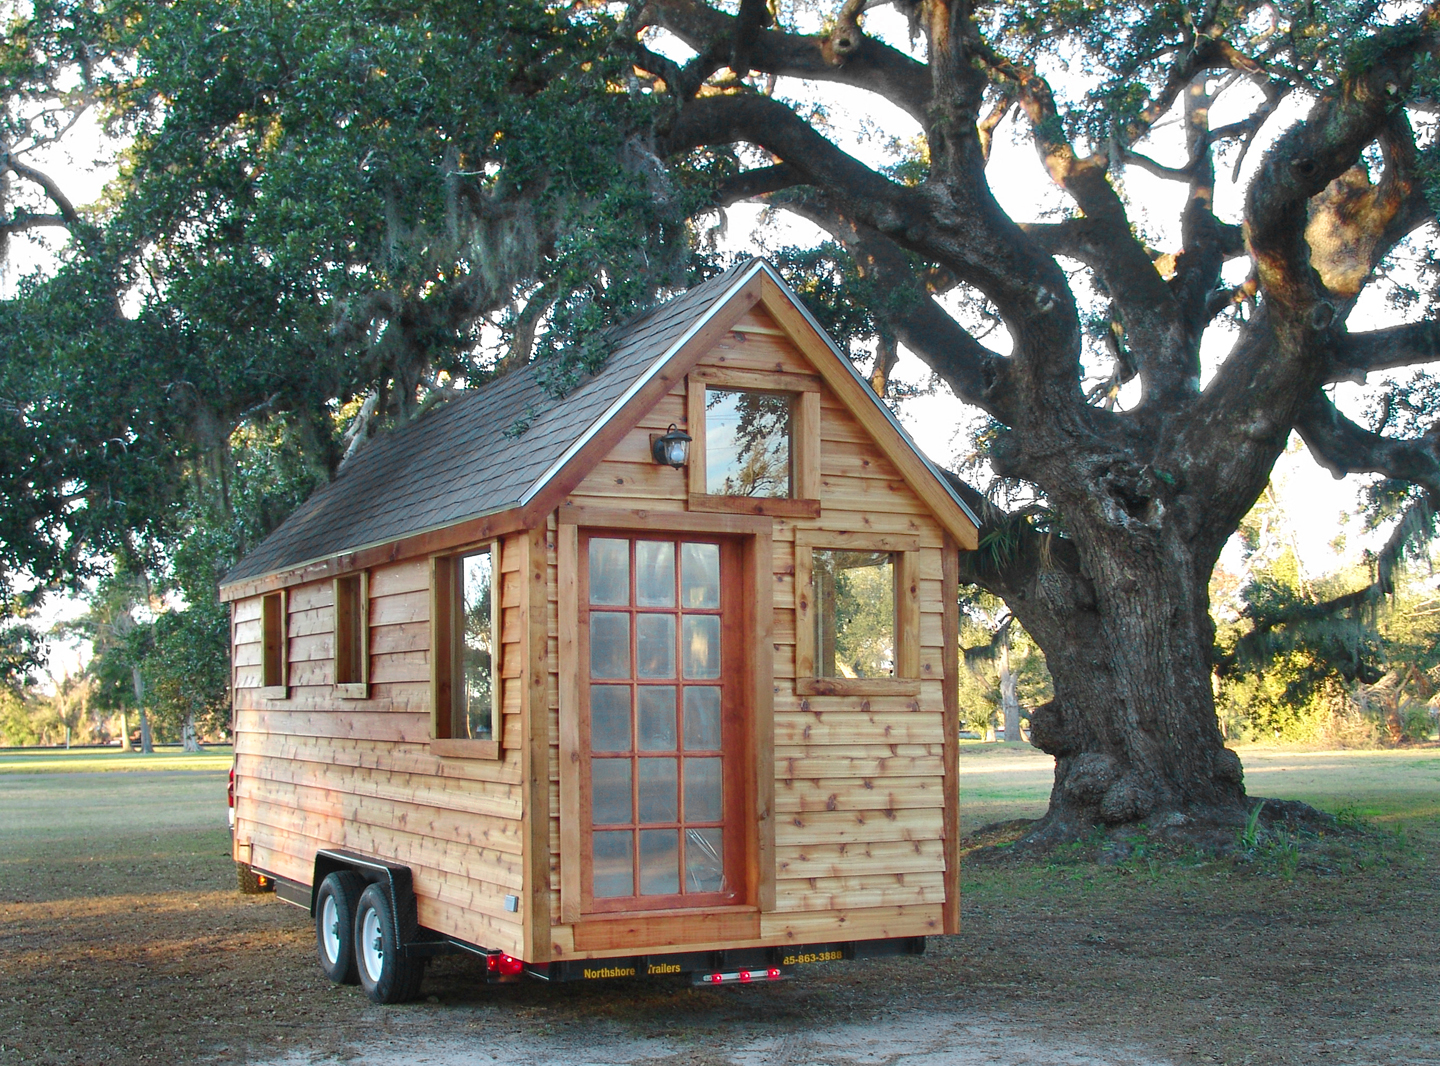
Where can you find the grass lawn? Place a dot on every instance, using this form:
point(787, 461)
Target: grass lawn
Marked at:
point(122, 939)
point(93, 760)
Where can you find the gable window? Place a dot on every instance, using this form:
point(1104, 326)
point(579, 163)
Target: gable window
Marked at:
point(857, 614)
point(465, 663)
point(747, 443)
point(756, 442)
point(352, 636)
point(274, 647)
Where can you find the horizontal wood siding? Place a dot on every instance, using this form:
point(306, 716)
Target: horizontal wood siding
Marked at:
point(859, 781)
point(315, 771)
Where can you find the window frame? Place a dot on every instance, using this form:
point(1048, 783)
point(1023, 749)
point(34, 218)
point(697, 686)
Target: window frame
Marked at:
point(445, 631)
point(350, 629)
point(275, 645)
point(804, 391)
point(905, 550)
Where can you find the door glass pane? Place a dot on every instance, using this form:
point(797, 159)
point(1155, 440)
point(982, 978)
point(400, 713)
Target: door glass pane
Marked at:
point(702, 718)
point(700, 575)
point(702, 645)
point(614, 864)
point(854, 613)
point(704, 794)
point(747, 443)
point(657, 717)
point(610, 717)
point(609, 572)
point(654, 573)
point(610, 791)
point(659, 797)
point(704, 860)
point(654, 645)
point(659, 862)
point(609, 644)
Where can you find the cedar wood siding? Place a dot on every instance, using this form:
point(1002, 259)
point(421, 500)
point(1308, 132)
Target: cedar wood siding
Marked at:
point(859, 781)
point(317, 772)
point(860, 821)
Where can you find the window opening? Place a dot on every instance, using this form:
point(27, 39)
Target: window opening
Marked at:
point(747, 443)
point(274, 652)
point(854, 613)
point(352, 635)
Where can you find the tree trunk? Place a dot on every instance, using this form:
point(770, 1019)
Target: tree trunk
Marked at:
point(139, 683)
point(125, 744)
point(1009, 691)
point(188, 740)
point(1125, 626)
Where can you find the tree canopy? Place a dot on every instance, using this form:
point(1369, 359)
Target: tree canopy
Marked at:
point(330, 215)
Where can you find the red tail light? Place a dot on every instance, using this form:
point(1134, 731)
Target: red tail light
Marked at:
point(508, 965)
point(230, 792)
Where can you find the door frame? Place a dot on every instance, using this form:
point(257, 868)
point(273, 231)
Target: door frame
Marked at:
point(754, 537)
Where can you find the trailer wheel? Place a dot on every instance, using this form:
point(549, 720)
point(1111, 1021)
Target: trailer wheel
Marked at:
point(335, 906)
point(386, 973)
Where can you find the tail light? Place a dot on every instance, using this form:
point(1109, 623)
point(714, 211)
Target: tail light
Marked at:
point(502, 965)
point(230, 792)
point(742, 977)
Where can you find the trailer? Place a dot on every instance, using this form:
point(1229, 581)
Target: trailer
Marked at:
point(656, 676)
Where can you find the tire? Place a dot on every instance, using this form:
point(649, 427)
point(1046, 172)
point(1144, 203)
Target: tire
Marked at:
point(386, 974)
point(251, 883)
point(335, 906)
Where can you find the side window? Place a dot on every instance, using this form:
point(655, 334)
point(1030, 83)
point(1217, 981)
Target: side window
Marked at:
point(857, 614)
point(755, 445)
point(352, 636)
point(466, 644)
point(274, 648)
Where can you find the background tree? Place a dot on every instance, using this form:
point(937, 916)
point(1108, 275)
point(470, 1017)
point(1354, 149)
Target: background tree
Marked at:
point(327, 208)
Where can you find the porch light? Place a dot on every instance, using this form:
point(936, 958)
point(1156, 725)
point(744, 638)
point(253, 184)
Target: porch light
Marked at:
point(672, 447)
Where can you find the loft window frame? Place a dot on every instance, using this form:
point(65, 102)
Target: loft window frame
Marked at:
point(804, 393)
point(905, 551)
point(446, 634)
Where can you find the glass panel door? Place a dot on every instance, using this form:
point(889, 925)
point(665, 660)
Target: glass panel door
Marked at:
point(654, 722)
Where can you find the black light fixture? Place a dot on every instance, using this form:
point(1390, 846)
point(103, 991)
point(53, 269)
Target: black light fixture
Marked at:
point(672, 447)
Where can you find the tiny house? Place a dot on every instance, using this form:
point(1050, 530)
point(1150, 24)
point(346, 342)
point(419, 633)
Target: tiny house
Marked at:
point(658, 676)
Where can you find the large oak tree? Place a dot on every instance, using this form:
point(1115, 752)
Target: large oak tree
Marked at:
point(325, 204)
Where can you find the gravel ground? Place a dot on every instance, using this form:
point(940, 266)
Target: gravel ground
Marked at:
point(123, 944)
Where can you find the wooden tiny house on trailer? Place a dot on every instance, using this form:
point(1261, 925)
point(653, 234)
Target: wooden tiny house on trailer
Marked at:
point(527, 680)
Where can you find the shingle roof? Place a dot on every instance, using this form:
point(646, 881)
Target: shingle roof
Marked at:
point(456, 462)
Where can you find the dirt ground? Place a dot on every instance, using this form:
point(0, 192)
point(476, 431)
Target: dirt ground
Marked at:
point(122, 941)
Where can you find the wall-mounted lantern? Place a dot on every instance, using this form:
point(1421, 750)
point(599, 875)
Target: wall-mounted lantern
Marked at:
point(672, 447)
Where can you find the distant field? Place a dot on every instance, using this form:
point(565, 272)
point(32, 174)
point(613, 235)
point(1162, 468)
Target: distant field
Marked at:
point(102, 760)
point(999, 782)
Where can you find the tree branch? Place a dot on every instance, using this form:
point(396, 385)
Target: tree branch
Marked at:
point(1356, 354)
point(760, 181)
point(873, 66)
point(1343, 447)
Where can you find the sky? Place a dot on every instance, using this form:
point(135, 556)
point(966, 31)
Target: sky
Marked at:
point(1319, 508)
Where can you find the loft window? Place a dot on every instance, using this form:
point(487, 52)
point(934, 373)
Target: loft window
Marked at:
point(274, 647)
point(756, 442)
point(857, 626)
point(466, 661)
point(854, 611)
point(352, 636)
point(747, 443)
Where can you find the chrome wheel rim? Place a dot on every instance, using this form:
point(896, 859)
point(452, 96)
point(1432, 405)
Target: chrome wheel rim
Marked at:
point(372, 948)
point(330, 930)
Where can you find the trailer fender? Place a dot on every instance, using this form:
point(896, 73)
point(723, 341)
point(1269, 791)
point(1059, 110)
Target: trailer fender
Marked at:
point(396, 878)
